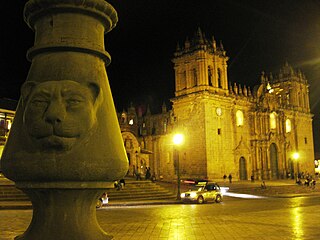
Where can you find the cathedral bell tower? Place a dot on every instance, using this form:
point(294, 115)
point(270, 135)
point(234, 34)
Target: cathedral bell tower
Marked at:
point(202, 106)
point(200, 65)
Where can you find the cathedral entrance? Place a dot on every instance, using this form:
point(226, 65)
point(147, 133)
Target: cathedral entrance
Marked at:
point(274, 161)
point(243, 169)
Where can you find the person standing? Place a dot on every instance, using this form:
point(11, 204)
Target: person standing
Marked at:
point(137, 173)
point(230, 178)
point(252, 178)
point(148, 173)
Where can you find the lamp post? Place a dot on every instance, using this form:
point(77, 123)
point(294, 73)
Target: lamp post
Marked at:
point(178, 139)
point(296, 158)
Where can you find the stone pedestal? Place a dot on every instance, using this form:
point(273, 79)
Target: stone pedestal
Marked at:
point(65, 146)
point(64, 210)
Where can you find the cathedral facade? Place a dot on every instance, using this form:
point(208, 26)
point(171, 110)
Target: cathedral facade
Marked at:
point(265, 132)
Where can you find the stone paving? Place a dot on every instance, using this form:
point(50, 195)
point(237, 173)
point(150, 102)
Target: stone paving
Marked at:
point(250, 225)
point(259, 225)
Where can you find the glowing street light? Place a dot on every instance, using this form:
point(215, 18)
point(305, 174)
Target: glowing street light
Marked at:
point(296, 156)
point(178, 139)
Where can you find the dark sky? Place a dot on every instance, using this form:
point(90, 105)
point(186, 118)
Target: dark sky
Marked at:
point(258, 35)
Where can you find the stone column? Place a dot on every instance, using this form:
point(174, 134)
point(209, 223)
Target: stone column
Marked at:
point(65, 147)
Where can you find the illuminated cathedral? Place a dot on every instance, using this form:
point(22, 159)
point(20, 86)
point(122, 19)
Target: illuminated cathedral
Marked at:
point(264, 132)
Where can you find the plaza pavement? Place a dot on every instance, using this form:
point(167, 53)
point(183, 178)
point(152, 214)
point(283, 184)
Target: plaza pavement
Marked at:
point(16, 220)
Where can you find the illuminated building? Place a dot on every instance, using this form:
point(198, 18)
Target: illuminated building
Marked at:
point(7, 112)
point(228, 128)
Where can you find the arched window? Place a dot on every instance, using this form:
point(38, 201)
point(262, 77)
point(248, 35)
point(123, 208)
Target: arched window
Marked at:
point(219, 78)
point(210, 76)
point(273, 122)
point(239, 118)
point(303, 100)
point(184, 80)
point(288, 125)
point(165, 126)
point(288, 98)
point(123, 118)
point(195, 75)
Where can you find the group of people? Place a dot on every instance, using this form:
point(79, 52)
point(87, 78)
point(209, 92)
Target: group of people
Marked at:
point(229, 177)
point(119, 184)
point(308, 180)
point(148, 176)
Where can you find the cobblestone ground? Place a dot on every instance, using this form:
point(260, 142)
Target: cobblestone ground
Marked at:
point(270, 225)
point(282, 220)
point(13, 223)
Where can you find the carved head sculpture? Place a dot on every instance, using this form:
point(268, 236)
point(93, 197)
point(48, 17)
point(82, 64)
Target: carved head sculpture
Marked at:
point(59, 114)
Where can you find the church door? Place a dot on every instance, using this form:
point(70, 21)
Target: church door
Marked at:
point(274, 161)
point(243, 169)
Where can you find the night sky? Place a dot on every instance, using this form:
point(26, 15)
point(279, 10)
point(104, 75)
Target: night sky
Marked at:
point(258, 35)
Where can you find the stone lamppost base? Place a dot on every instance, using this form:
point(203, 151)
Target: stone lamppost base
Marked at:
point(64, 210)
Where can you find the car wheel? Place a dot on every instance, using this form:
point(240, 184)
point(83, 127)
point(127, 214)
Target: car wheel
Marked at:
point(218, 199)
point(200, 200)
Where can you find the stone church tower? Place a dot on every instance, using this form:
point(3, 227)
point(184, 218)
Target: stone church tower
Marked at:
point(229, 129)
point(203, 108)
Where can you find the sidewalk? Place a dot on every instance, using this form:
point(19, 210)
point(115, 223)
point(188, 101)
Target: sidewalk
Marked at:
point(275, 188)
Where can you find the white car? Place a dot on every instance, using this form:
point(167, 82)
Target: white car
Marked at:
point(201, 193)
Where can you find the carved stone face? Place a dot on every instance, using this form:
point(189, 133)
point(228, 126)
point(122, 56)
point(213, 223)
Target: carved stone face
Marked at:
point(58, 114)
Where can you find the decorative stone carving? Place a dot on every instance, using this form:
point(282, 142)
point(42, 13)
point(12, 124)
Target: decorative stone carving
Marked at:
point(58, 114)
point(65, 146)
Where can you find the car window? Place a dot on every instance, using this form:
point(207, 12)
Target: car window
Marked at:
point(211, 187)
point(196, 188)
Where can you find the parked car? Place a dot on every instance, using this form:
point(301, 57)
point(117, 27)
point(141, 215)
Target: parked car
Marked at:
point(103, 200)
point(203, 192)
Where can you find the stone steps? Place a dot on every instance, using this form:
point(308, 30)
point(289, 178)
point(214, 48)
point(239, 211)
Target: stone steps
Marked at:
point(133, 191)
point(140, 190)
point(8, 192)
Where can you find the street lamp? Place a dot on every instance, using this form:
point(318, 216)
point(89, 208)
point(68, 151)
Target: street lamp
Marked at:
point(296, 156)
point(178, 139)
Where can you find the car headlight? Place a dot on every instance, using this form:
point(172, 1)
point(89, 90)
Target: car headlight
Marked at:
point(182, 195)
point(193, 194)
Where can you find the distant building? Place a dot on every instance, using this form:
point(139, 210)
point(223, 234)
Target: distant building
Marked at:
point(7, 112)
point(228, 129)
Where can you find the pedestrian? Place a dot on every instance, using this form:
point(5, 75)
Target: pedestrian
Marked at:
point(224, 177)
point(117, 185)
point(122, 183)
point(298, 181)
point(133, 170)
point(252, 178)
point(148, 173)
point(153, 177)
point(137, 173)
point(313, 183)
point(230, 178)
